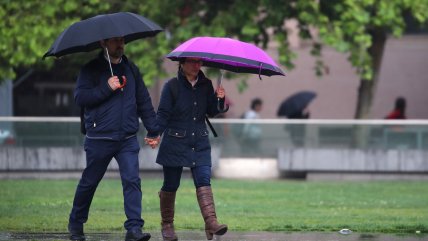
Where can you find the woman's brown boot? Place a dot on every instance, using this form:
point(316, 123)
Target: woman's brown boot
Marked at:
point(206, 203)
point(167, 203)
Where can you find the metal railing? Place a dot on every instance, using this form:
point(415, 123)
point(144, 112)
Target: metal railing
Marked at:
point(238, 137)
point(51, 143)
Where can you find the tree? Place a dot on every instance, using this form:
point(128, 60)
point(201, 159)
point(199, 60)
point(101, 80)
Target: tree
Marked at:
point(359, 28)
point(28, 28)
point(356, 27)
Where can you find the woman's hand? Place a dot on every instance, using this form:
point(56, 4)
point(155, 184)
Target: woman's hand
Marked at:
point(152, 142)
point(221, 93)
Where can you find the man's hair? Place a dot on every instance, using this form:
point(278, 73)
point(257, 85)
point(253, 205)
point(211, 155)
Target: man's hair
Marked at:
point(255, 102)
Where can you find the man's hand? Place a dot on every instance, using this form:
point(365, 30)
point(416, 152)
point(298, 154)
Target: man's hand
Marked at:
point(152, 142)
point(114, 83)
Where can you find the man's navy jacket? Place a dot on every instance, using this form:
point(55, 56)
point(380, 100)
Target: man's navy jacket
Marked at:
point(113, 115)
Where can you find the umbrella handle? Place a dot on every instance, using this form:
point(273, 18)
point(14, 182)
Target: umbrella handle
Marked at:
point(226, 107)
point(123, 82)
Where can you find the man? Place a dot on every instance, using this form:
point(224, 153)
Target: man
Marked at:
point(111, 116)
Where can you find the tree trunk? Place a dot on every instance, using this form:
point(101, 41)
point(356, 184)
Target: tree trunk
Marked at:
point(368, 87)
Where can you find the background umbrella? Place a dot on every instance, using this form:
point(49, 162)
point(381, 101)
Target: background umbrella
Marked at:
point(227, 54)
point(85, 35)
point(295, 104)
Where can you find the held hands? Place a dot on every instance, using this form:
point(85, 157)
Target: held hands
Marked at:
point(221, 93)
point(115, 84)
point(152, 142)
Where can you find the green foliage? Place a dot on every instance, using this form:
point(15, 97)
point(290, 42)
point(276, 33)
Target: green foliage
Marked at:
point(28, 28)
point(348, 26)
point(376, 206)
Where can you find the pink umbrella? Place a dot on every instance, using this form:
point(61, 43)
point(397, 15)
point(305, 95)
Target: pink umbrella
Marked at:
point(228, 54)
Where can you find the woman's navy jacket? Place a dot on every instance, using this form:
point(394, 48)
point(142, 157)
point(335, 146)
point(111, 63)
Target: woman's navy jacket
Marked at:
point(113, 115)
point(181, 119)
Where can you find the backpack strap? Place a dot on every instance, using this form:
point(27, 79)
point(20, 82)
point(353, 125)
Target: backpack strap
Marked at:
point(173, 87)
point(132, 66)
point(211, 126)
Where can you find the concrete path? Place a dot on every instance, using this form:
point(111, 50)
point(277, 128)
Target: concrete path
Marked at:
point(230, 236)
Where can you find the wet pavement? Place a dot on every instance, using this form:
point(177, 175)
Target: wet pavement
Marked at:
point(230, 236)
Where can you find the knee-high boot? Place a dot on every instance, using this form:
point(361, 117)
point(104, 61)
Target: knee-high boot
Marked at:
point(167, 203)
point(206, 203)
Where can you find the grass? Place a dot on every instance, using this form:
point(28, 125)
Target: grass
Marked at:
point(375, 206)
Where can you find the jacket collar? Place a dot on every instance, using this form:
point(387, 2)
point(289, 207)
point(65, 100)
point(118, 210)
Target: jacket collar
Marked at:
point(201, 79)
point(102, 59)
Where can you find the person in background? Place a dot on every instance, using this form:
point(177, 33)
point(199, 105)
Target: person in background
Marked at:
point(111, 112)
point(251, 133)
point(399, 111)
point(185, 102)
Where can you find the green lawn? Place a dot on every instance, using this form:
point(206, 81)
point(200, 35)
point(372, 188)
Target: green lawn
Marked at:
point(375, 206)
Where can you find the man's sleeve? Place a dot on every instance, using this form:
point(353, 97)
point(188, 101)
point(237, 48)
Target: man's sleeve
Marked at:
point(90, 92)
point(144, 105)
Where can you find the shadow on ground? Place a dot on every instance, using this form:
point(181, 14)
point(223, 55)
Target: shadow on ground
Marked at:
point(230, 236)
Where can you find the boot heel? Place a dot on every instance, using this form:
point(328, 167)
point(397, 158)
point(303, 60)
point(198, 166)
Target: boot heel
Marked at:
point(209, 234)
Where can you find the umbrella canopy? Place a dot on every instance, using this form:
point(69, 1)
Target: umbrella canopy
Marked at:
point(295, 104)
point(228, 54)
point(84, 36)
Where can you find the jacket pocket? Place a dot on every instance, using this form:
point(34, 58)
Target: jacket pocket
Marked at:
point(177, 133)
point(90, 119)
point(204, 133)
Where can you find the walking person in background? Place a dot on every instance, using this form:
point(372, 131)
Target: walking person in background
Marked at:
point(111, 111)
point(184, 104)
point(251, 133)
point(399, 111)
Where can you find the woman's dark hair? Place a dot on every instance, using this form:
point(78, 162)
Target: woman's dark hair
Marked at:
point(181, 60)
point(255, 102)
point(400, 104)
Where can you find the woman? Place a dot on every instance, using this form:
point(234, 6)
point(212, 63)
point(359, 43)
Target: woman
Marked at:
point(185, 102)
point(399, 111)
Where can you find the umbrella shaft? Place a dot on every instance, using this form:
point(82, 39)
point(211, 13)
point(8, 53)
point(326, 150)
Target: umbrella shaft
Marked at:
point(109, 62)
point(220, 78)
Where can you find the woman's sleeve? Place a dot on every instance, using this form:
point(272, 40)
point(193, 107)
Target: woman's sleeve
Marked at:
point(165, 108)
point(213, 101)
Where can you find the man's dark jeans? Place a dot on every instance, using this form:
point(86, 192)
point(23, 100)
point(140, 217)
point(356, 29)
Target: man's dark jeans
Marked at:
point(98, 156)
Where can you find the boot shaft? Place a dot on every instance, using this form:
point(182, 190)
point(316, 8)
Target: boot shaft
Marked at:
point(206, 204)
point(167, 205)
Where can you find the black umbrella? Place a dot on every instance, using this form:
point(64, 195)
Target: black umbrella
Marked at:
point(295, 104)
point(84, 36)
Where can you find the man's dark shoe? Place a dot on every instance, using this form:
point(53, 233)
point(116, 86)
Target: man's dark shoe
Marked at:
point(76, 233)
point(137, 235)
